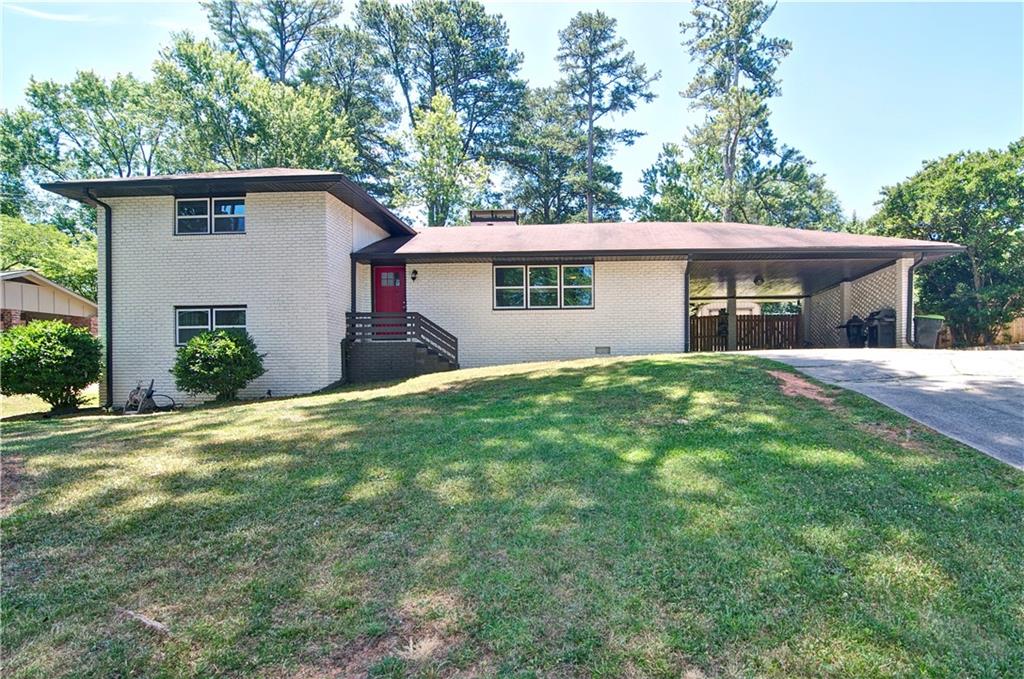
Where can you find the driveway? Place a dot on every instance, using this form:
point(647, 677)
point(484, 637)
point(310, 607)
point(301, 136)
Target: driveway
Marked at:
point(976, 397)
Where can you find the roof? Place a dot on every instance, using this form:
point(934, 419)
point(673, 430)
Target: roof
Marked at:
point(261, 180)
point(699, 239)
point(39, 279)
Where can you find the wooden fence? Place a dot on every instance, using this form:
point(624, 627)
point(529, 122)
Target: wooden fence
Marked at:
point(710, 333)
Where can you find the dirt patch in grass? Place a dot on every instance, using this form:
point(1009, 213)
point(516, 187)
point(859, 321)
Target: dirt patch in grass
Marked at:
point(794, 385)
point(12, 479)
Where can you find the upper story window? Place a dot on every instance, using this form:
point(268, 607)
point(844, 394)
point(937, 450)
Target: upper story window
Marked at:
point(197, 216)
point(228, 215)
point(193, 216)
point(544, 286)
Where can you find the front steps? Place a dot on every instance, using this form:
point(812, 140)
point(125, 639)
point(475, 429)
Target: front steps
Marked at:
point(381, 361)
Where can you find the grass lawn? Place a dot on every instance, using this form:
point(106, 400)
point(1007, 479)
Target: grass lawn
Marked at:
point(669, 516)
point(13, 406)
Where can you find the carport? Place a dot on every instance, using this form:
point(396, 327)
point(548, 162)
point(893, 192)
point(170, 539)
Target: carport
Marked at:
point(830, 283)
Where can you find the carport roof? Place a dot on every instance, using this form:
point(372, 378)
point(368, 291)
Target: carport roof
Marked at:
point(696, 240)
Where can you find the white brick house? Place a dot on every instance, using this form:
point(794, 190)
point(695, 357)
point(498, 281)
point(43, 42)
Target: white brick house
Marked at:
point(311, 266)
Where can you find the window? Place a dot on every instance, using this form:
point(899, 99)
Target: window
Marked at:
point(192, 216)
point(191, 321)
point(509, 287)
point(578, 286)
point(228, 215)
point(390, 279)
point(543, 287)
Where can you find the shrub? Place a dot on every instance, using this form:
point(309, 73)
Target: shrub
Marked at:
point(219, 363)
point(50, 359)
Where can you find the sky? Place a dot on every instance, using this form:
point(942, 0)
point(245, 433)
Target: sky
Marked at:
point(870, 91)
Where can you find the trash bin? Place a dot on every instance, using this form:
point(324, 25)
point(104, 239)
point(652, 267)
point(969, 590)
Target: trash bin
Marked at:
point(926, 330)
point(855, 337)
point(882, 329)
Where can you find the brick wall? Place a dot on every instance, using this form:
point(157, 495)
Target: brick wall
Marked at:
point(9, 318)
point(639, 309)
point(290, 269)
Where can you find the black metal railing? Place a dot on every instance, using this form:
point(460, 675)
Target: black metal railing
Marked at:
point(402, 326)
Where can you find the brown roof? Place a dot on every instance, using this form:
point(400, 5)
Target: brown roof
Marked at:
point(260, 173)
point(261, 180)
point(636, 238)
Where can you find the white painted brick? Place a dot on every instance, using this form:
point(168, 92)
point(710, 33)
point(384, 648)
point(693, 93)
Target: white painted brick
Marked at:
point(639, 309)
point(291, 269)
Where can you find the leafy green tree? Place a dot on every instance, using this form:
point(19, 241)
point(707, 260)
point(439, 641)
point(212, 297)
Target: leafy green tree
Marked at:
point(51, 359)
point(221, 362)
point(64, 259)
point(86, 128)
point(731, 168)
point(601, 78)
point(975, 199)
point(437, 176)
point(271, 35)
point(227, 117)
point(546, 163)
point(454, 48)
point(89, 127)
point(345, 62)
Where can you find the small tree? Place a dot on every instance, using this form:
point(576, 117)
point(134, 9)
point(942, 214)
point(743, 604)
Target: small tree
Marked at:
point(50, 359)
point(219, 363)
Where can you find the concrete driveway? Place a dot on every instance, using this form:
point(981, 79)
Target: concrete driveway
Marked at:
point(976, 397)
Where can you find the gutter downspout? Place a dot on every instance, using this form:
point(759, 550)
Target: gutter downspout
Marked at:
point(910, 299)
point(107, 295)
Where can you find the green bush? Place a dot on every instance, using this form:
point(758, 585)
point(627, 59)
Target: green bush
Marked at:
point(219, 362)
point(50, 359)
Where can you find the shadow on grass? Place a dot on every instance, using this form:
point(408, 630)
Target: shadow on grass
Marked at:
point(647, 516)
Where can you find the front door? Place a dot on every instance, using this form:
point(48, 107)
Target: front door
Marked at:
point(389, 289)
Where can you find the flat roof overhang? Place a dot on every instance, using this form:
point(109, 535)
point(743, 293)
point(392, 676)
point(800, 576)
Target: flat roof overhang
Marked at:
point(87, 191)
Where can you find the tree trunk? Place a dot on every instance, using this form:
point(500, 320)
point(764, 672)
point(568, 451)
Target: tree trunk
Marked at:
point(590, 157)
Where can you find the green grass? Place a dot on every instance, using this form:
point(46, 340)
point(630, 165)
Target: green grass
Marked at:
point(16, 406)
point(665, 517)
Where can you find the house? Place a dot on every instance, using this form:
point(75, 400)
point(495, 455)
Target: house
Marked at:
point(26, 295)
point(332, 285)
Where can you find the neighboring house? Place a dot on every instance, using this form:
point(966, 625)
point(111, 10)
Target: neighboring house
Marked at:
point(326, 279)
point(29, 296)
point(743, 308)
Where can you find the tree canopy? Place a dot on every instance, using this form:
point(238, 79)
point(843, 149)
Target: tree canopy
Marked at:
point(271, 35)
point(64, 259)
point(437, 175)
point(730, 167)
point(600, 77)
point(975, 199)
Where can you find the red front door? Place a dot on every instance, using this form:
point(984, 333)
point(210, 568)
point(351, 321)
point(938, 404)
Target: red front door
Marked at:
point(389, 289)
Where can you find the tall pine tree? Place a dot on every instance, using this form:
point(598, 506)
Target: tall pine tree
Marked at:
point(730, 167)
point(601, 78)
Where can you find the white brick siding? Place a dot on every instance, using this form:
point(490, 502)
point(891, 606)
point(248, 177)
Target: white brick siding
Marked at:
point(887, 287)
point(639, 309)
point(290, 269)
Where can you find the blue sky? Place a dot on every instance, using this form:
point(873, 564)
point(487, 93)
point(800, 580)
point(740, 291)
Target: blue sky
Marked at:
point(869, 92)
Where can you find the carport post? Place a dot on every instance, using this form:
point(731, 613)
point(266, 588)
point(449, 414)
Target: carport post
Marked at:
point(730, 308)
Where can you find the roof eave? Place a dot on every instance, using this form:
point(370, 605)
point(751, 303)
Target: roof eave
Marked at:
point(86, 191)
point(929, 253)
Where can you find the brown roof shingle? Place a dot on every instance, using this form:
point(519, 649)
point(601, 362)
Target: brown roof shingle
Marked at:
point(625, 238)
